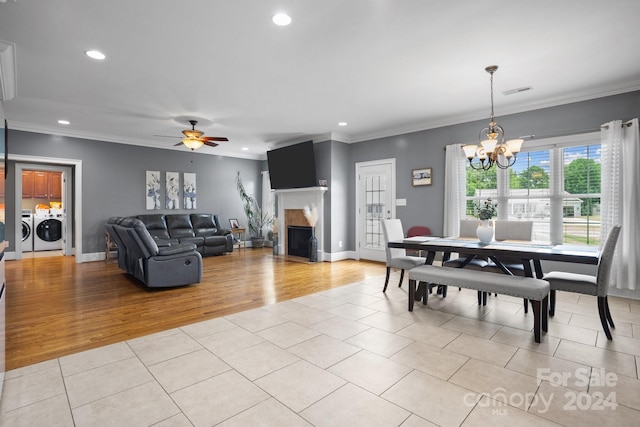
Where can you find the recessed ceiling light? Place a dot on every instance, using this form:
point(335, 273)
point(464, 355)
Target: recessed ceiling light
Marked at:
point(95, 54)
point(245, 148)
point(281, 19)
point(342, 124)
point(64, 122)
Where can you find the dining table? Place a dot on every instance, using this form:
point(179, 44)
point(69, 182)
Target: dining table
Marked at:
point(530, 253)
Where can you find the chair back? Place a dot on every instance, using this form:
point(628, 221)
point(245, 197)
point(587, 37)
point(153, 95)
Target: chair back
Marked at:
point(392, 229)
point(418, 230)
point(513, 230)
point(468, 228)
point(605, 261)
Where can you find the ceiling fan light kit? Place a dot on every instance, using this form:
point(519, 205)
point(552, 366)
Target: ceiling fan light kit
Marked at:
point(195, 139)
point(192, 143)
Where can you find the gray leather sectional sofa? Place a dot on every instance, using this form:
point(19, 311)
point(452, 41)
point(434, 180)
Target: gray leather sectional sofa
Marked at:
point(173, 264)
point(203, 230)
point(163, 250)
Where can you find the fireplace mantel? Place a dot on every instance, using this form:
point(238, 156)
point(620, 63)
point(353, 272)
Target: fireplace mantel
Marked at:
point(298, 198)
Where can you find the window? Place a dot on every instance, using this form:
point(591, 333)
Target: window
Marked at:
point(555, 184)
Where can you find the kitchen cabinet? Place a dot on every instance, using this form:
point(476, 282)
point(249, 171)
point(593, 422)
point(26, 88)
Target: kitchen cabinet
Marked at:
point(27, 184)
point(42, 185)
point(55, 186)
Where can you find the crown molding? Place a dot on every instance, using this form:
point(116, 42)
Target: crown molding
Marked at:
point(617, 88)
point(7, 70)
point(28, 127)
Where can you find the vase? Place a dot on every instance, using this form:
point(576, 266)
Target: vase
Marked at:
point(313, 246)
point(484, 231)
point(275, 244)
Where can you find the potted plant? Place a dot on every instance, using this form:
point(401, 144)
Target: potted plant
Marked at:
point(257, 219)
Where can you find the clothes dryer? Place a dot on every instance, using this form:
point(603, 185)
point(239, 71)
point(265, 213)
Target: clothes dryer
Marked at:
point(27, 230)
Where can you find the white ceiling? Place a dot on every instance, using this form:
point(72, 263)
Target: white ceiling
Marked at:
point(384, 66)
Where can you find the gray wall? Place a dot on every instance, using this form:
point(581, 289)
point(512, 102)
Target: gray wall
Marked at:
point(114, 179)
point(341, 195)
point(426, 149)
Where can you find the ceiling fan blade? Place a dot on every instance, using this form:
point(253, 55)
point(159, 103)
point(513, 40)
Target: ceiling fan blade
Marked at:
point(214, 138)
point(209, 143)
point(179, 143)
point(167, 136)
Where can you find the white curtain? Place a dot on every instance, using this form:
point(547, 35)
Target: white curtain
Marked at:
point(620, 201)
point(455, 186)
point(268, 204)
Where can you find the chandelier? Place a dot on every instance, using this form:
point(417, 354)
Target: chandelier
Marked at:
point(492, 148)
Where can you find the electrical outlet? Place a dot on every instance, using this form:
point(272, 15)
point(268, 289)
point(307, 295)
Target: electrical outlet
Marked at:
point(339, 243)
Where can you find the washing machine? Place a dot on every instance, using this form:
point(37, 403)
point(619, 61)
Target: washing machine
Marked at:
point(47, 235)
point(27, 230)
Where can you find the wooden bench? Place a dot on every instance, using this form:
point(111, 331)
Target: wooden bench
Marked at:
point(535, 290)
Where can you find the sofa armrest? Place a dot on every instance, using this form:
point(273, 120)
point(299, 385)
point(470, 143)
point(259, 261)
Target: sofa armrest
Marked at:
point(165, 242)
point(223, 231)
point(174, 249)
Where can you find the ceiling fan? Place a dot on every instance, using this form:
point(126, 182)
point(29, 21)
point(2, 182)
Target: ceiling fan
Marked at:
point(195, 138)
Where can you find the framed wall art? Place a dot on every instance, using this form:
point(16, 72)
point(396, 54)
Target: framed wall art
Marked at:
point(153, 190)
point(172, 190)
point(421, 177)
point(189, 190)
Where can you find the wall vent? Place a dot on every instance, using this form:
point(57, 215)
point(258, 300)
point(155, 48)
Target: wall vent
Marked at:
point(518, 90)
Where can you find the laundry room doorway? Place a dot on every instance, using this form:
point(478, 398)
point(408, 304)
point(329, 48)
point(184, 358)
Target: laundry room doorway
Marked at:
point(44, 197)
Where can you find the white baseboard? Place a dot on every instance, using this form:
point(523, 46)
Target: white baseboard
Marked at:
point(625, 293)
point(95, 256)
point(338, 256)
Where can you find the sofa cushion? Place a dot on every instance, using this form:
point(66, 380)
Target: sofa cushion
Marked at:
point(196, 240)
point(204, 224)
point(179, 226)
point(156, 225)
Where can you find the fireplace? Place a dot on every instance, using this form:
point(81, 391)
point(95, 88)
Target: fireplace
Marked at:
point(298, 240)
point(290, 203)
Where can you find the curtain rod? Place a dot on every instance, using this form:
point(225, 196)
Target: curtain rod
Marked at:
point(627, 124)
point(569, 132)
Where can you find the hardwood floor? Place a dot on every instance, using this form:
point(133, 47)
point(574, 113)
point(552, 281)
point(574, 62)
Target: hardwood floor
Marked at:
point(56, 307)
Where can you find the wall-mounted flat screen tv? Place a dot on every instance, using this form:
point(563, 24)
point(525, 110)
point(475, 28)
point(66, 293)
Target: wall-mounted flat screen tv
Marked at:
point(293, 166)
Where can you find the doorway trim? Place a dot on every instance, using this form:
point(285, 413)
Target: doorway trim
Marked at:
point(35, 161)
point(358, 221)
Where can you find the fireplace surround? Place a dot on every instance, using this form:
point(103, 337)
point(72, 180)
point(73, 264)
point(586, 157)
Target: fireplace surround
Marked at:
point(290, 203)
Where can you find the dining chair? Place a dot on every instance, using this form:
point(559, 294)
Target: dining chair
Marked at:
point(417, 230)
point(396, 257)
point(510, 230)
point(587, 284)
point(468, 228)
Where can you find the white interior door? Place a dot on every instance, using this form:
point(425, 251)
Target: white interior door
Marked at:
point(376, 194)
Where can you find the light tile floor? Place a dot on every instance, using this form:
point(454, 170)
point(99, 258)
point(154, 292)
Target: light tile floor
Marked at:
point(350, 356)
